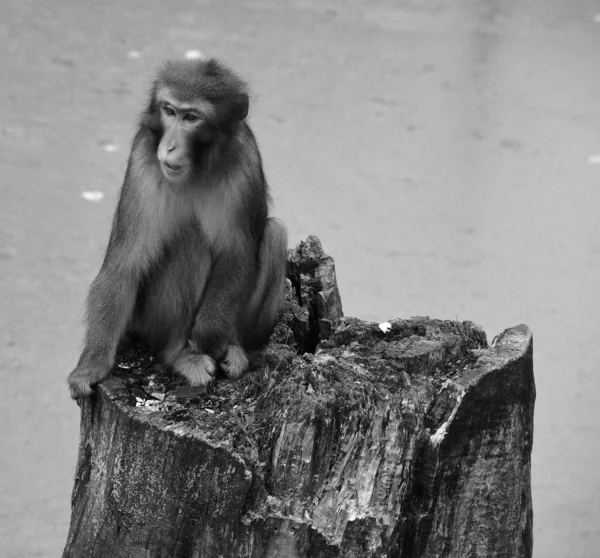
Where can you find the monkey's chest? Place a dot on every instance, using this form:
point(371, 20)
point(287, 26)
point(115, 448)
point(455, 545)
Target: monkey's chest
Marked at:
point(172, 289)
point(214, 218)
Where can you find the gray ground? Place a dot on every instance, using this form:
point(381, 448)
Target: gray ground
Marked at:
point(439, 149)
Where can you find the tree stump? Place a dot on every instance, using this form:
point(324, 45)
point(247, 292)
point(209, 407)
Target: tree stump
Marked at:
point(348, 439)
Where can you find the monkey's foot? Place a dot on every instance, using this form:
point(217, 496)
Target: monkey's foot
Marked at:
point(235, 362)
point(198, 369)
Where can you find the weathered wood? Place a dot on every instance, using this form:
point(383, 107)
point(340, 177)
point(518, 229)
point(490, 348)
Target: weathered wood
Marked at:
point(407, 440)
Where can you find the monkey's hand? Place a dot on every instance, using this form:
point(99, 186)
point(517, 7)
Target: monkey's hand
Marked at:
point(83, 379)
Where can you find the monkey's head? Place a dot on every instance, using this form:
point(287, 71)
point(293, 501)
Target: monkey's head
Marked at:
point(193, 104)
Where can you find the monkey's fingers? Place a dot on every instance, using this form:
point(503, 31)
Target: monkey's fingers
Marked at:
point(79, 387)
point(235, 362)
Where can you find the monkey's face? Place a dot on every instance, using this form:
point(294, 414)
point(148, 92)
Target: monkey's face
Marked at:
point(187, 129)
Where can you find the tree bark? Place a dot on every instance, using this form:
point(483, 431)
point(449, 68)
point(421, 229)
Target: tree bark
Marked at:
point(406, 439)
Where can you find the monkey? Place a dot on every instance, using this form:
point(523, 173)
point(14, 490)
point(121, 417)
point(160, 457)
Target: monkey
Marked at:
point(194, 266)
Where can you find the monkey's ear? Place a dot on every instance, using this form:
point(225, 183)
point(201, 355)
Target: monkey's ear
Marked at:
point(240, 107)
point(232, 111)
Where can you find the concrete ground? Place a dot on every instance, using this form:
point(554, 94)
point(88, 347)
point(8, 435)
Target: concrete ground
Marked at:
point(445, 152)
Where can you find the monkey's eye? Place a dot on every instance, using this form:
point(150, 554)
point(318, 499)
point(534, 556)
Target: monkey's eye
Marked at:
point(169, 111)
point(191, 117)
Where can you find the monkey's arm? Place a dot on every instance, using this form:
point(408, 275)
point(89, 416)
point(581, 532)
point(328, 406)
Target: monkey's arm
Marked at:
point(113, 293)
point(109, 306)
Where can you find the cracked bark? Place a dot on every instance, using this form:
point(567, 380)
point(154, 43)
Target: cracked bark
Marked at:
point(412, 440)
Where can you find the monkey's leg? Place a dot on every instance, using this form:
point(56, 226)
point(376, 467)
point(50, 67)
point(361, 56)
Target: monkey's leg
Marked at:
point(226, 321)
point(268, 296)
point(216, 329)
point(168, 307)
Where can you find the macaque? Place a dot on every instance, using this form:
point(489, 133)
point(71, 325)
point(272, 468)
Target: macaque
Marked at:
point(194, 265)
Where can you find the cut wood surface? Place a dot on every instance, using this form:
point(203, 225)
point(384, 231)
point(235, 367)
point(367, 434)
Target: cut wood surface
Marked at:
point(406, 439)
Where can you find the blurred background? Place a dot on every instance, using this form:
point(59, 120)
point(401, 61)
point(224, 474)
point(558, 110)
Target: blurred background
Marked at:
point(447, 153)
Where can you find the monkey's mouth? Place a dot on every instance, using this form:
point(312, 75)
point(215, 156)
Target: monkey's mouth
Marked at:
point(171, 170)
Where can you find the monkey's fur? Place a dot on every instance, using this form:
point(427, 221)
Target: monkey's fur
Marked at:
point(194, 265)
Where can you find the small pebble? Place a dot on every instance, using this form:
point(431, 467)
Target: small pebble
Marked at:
point(194, 55)
point(94, 196)
point(385, 327)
